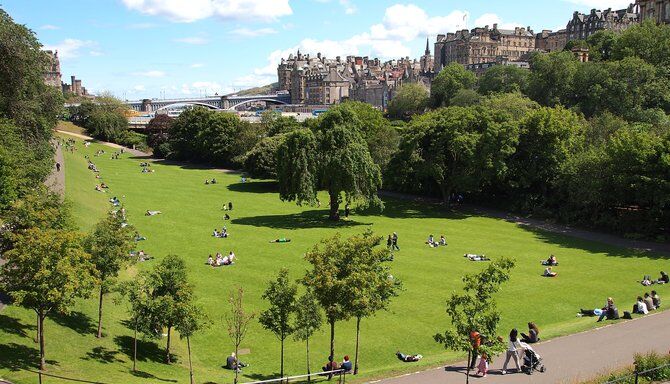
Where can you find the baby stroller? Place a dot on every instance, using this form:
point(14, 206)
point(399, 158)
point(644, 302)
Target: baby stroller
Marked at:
point(532, 361)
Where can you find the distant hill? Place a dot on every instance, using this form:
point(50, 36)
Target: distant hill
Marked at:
point(264, 90)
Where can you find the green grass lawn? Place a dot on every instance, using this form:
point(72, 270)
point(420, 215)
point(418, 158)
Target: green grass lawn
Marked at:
point(588, 273)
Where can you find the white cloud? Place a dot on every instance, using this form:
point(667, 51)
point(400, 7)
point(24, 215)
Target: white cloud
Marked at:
point(186, 11)
point(192, 40)
point(71, 48)
point(197, 65)
point(602, 4)
point(246, 32)
point(95, 53)
point(49, 27)
point(151, 73)
point(349, 7)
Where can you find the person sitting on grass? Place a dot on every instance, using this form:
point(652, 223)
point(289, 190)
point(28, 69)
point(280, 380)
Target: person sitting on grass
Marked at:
point(408, 358)
point(152, 213)
point(443, 240)
point(97, 188)
point(281, 240)
point(233, 363)
point(609, 311)
point(219, 260)
point(346, 364)
point(551, 261)
point(207, 182)
point(210, 260)
point(655, 299)
point(649, 302)
point(646, 281)
point(532, 336)
point(213, 181)
point(215, 233)
point(549, 273)
point(664, 279)
point(640, 306)
point(226, 217)
point(104, 186)
point(138, 237)
point(431, 241)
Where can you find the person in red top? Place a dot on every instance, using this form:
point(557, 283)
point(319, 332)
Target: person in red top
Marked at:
point(476, 340)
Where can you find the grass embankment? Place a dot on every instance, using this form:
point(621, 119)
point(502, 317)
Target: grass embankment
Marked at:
point(588, 273)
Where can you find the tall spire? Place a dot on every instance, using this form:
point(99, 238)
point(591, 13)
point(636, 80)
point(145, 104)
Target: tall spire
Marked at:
point(427, 47)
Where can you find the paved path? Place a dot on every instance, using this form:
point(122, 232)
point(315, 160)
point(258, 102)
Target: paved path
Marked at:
point(569, 359)
point(56, 181)
point(113, 145)
point(604, 238)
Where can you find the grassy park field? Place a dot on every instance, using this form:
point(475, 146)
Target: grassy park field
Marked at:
point(588, 273)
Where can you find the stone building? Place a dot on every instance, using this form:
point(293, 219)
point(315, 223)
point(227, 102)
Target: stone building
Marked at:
point(320, 81)
point(74, 87)
point(657, 10)
point(482, 45)
point(52, 74)
point(582, 25)
point(549, 41)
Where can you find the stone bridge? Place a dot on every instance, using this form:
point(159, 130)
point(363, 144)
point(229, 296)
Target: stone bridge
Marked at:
point(229, 102)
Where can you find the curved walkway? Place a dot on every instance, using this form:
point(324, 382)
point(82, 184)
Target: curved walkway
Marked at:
point(569, 359)
point(113, 145)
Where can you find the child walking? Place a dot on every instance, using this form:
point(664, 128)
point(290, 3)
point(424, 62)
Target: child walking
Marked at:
point(483, 366)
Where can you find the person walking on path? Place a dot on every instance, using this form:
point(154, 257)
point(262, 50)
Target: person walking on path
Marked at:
point(476, 341)
point(395, 241)
point(513, 346)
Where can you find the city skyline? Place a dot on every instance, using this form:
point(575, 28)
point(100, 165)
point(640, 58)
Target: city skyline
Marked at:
point(157, 48)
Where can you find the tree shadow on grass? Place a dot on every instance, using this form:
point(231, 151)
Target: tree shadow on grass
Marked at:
point(16, 357)
point(147, 375)
point(404, 209)
point(259, 376)
point(77, 321)
point(146, 350)
point(102, 355)
point(13, 326)
point(302, 220)
point(255, 187)
point(593, 246)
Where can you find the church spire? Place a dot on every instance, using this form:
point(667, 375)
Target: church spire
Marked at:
point(427, 47)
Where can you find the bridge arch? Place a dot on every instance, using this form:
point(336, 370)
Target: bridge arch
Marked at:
point(193, 103)
point(267, 100)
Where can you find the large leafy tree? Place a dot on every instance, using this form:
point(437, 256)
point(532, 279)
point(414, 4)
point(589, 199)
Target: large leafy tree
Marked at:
point(551, 77)
point(308, 320)
point(45, 272)
point(157, 134)
point(109, 245)
point(648, 41)
point(448, 82)
point(278, 319)
point(409, 100)
point(503, 79)
point(475, 309)
point(461, 149)
point(261, 160)
point(335, 158)
point(381, 137)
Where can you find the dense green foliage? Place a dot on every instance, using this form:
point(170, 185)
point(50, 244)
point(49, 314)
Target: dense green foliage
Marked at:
point(28, 112)
point(409, 100)
point(448, 82)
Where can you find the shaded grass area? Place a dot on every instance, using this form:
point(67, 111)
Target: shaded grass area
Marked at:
point(588, 273)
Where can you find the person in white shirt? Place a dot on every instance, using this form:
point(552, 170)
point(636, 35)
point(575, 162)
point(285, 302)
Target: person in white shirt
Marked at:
point(512, 351)
point(549, 273)
point(641, 306)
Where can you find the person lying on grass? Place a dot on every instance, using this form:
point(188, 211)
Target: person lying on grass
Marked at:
point(281, 240)
point(551, 261)
point(473, 257)
point(609, 311)
point(408, 358)
point(152, 213)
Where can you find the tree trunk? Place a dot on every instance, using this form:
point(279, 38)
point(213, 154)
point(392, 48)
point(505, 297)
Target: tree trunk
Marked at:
point(100, 313)
point(281, 369)
point(237, 368)
point(135, 348)
point(37, 336)
point(332, 339)
point(309, 373)
point(190, 366)
point(358, 331)
point(41, 338)
point(167, 348)
point(334, 206)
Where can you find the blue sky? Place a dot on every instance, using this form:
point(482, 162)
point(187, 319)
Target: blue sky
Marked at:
point(182, 48)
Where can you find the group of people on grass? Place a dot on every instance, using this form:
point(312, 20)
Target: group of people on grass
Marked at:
point(221, 234)
point(392, 242)
point(647, 303)
point(664, 279)
point(221, 260)
point(345, 366)
point(550, 263)
point(434, 243)
point(208, 182)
